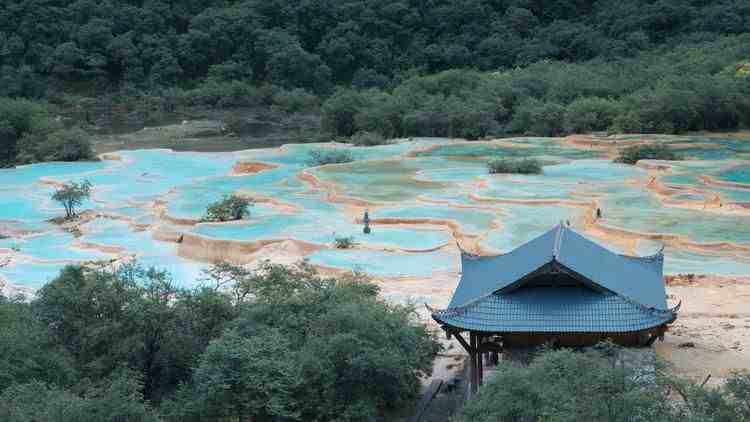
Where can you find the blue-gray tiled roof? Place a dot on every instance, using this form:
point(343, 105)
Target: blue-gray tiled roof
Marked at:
point(628, 292)
point(554, 310)
point(637, 279)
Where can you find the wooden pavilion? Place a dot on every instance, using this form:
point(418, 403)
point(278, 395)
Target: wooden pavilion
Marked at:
point(558, 288)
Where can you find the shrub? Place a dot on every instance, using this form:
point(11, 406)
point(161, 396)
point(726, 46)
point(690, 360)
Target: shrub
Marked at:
point(742, 71)
point(632, 154)
point(230, 208)
point(234, 123)
point(321, 157)
point(565, 386)
point(590, 114)
point(339, 111)
point(19, 119)
point(115, 399)
point(514, 166)
point(538, 118)
point(230, 71)
point(59, 145)
point(629, 122)
point(225, 94)
point(368, 139)
point(344, 242)
point(295, 100)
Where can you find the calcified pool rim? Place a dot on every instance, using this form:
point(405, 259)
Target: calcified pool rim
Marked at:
point(425, 197)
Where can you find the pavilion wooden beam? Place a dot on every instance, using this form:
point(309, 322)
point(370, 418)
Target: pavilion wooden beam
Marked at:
point(463, 342)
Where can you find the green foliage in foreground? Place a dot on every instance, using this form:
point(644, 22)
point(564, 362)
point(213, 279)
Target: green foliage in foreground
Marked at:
point(514, 166)
point(280, 343)
point(321, 157)
point(71, 195)
point(229, 208)
point(569, 386)
point(631, 154)
point(309, 349)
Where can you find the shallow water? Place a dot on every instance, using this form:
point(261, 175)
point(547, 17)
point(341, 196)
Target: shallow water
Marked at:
point(740, 174)
point(471, 220)
point(419, 181)
point(387, 264)
point(525, 222)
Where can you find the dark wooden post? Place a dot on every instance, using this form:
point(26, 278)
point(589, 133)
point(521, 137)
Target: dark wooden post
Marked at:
point(473, 360)
point(480, 361)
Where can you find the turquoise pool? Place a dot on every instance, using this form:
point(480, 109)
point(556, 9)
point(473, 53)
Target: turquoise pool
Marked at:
point(408, 180)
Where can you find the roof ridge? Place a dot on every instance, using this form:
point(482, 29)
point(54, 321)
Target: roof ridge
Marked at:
point(558, 241)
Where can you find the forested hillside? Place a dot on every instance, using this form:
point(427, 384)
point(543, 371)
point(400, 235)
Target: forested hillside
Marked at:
point(316, 44)
point(526, 66)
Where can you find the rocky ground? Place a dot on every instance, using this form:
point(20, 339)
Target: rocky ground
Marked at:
point(212, 130)
point(712, 333)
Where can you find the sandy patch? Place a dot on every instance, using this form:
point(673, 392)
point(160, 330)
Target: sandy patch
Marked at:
point(712, 332)
point(237, 252)
point(242, 168)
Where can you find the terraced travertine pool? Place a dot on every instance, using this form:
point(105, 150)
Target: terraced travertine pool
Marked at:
point(426, 198)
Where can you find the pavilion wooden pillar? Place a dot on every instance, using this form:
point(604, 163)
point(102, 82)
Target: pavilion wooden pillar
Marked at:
point(495, 358)
point(480, 360)
point(476, 357)
point(473, 359)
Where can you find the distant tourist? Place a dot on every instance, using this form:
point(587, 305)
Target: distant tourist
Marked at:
point(366, 219)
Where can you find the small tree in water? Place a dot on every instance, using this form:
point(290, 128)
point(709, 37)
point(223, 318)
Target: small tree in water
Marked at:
point(71, 195)
point(230, 208)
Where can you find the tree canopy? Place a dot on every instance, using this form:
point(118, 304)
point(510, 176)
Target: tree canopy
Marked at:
point(614, 388)
point(279, 343)
point(71, 195)
point(229, 208)
point(314, 45)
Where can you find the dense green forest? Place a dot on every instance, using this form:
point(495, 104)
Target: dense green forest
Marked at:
point(278, 344)
point(467, 68)
point(316, 44)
